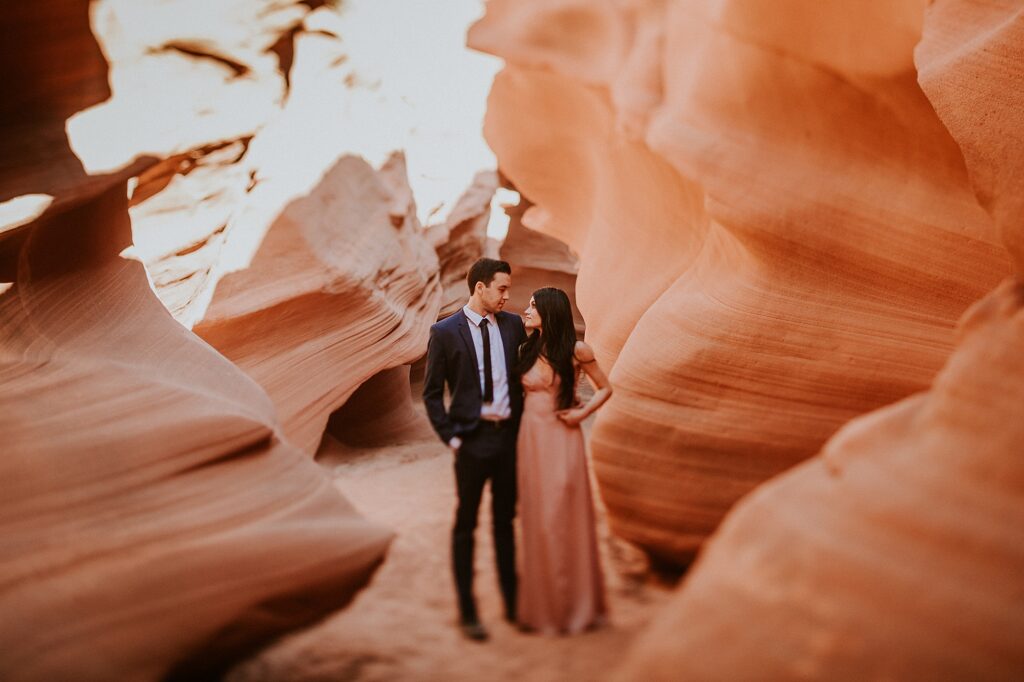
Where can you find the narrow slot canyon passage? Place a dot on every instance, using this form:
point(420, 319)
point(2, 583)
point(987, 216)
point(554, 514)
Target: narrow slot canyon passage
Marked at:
point(720, 300)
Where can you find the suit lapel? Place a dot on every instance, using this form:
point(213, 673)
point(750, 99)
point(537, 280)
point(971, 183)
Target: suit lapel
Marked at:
point(467, 337)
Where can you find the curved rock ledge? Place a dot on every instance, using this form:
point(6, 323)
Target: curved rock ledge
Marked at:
point(777, 232)
point(154, 524)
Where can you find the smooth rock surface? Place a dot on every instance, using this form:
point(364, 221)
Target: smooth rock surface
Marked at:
point(777, 232)
point(462, 239)
point(537, 260)
point(896, 554)
point(344, 285)
point(154, 523)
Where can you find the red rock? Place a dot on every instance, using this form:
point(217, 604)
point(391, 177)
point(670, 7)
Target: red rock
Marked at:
point(776, 231)
point(381, 412)
point(336, 293)
point(895, 554)
point(537, 260)
point(154, 523)
point(462, 239)
point(52, 67)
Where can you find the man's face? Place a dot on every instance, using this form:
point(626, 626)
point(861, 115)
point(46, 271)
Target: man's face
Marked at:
point(493, 297)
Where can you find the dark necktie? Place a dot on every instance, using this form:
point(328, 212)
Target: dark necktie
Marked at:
point(488, 380)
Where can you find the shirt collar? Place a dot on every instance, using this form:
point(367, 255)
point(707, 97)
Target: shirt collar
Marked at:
point(475, 319)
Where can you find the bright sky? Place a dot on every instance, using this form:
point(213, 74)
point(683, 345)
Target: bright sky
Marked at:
point(419, 88)
point(399, 78)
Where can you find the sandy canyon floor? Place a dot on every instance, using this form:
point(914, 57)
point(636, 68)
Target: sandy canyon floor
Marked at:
point(402, 626)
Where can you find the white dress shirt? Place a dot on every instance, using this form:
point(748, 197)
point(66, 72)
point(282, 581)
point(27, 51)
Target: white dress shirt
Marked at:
point(500, 407)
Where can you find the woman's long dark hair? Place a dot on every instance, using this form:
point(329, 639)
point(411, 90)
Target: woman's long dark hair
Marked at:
point(556, 343)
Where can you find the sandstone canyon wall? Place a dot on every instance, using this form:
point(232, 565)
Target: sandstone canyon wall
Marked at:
point(299, 262)
point(462, 238)
point(157, 521)
point(777, 232)
point(154, 521)
point(897, 552)
point(537, 260)
point(344, 285)
point(861, 170)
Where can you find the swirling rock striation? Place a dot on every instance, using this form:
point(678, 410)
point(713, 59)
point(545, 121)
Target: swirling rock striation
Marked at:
point(537, 260)
point(344, 285)
point(462, 238)
point(776, 231)
point(897, 552)
point(154, 523)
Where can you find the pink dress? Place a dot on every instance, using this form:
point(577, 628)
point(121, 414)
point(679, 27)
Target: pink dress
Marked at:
point(561, 588)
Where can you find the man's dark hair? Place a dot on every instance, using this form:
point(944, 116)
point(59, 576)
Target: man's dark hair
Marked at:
point(484, 271)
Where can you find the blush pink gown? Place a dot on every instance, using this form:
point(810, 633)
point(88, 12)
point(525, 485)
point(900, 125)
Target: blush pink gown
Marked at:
point(561, 587)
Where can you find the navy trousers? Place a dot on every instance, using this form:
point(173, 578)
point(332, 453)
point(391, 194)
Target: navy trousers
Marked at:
point(487, 453)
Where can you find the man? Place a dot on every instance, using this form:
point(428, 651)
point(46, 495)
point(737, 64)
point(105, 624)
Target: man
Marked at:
point(474, 353)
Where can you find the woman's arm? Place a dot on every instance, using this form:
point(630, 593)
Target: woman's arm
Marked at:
point(598, 379)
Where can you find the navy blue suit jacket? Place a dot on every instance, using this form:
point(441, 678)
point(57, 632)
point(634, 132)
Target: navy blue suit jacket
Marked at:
point(451, 360)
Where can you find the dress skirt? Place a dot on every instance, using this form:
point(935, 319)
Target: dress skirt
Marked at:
point(561, 587)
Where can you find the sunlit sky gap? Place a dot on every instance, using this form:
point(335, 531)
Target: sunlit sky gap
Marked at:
point(417, 87)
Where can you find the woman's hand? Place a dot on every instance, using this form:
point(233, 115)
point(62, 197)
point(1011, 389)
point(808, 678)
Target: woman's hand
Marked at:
point(572, 417)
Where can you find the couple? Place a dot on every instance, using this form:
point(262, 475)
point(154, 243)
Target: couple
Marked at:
point(488, 363)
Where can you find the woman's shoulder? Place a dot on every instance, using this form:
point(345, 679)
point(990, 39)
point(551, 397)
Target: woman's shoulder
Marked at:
point(583, 353)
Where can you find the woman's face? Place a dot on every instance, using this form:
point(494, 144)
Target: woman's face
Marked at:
point(532, 318)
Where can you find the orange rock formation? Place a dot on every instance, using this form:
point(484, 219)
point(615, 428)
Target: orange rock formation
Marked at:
point(155, 523)
point(344, 285)
point(462, 239)
point(777, 232)
point(537, 260)
point(381, 412)
point(897, 553)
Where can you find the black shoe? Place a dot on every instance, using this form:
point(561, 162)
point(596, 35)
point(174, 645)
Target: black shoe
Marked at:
point(473, 630)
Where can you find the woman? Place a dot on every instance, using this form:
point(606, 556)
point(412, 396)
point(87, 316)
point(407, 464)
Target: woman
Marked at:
point(561, 588)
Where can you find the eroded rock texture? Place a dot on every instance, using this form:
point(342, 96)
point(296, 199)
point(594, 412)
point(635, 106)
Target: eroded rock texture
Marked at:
point(537, 260)
point(777, 232)
point(343, 286)
point(154, 523)
point(302, 264)
point(381, 412)
point(181, 211)
point(37, 167)
point(153, 520)
point(203, 212)
point(969, 64)
point(462, 239)
point(897, 553)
